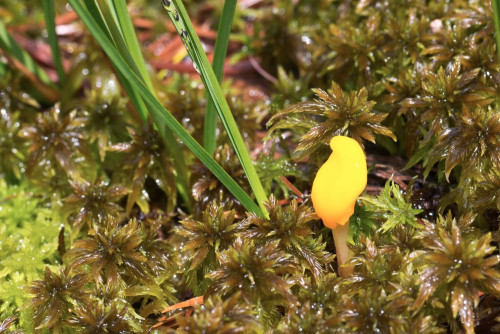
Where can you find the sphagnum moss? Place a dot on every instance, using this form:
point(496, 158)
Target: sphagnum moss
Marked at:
point(423, 72)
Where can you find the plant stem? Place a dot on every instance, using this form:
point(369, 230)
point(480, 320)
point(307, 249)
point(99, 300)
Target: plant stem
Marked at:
point(343, 253)
point(50, 24)
point(223, 32)
point(495, 6)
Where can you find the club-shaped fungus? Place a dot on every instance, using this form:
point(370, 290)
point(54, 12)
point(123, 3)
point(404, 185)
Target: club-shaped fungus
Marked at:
point(338, 183)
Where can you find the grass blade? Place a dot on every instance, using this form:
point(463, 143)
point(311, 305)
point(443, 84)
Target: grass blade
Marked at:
point(180, 19)
point(116, 35)
point(125, 22)
point(223, 32)
point(50, 24)
point(162, 118)
point(495, 6)
point(9, 44)
point(116, 22)
point(135, 97)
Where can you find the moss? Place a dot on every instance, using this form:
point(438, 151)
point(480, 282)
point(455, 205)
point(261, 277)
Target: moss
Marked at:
point(99, 242)
point(29, 241)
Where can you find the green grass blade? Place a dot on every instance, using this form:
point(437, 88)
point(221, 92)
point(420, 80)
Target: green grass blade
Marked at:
point(116, 35)
point(180, 19)
point(162, 118)
point(113, 16)
point(181, 177)
point(94, 10)
point(3, 69)
point(50, 24)
point(135, 97)
point(9, 45)
point(223, 32)
point(125, 22)
point(495, 6)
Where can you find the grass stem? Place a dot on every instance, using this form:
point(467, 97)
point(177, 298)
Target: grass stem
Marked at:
point(223, 33)
point(50, 24)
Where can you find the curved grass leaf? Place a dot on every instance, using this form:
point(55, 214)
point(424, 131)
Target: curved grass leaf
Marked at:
point(223, 32)
point(180, 19)
point(50, 24)
point(161, 117)
point(114, 20)
point(495, 4)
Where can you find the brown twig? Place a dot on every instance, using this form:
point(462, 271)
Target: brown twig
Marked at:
point(187, 303)
point(260, 70)
point(66, 18)
point(170, 321)
point(48, 92)
point(292, 187)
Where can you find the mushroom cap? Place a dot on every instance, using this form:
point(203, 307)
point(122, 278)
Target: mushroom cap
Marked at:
point(339, 182)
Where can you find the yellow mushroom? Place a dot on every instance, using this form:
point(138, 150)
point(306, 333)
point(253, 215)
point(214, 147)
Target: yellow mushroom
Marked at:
point(337, 185)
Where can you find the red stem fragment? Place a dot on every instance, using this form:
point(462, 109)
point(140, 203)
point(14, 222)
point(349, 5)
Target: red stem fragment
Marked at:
point(292, 187)
point(187, 303)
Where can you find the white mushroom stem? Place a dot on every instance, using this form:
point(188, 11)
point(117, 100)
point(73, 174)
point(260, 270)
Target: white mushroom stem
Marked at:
point(343, 253)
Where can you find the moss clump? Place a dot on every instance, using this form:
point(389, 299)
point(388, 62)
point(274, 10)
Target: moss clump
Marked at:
point(29, 242)
point(97, 236)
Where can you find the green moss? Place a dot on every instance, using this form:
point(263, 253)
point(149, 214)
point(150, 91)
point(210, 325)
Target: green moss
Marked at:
point(28, 244)
point(416, 82)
